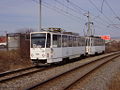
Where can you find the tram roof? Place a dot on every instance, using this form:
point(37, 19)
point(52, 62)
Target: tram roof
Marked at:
point(65, 33)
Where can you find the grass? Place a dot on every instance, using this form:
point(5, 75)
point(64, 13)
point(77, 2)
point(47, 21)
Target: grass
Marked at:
point(10, 60)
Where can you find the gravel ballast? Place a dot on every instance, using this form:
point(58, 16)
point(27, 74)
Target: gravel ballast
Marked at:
point(100, 79)
point(30, 80)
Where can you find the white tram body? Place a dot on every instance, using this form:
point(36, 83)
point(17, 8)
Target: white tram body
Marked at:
point(51, 47)
point(94, 45)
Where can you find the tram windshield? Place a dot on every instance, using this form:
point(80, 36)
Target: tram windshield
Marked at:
point(38, 40)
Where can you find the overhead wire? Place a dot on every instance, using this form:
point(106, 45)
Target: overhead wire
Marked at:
point(102, 14)
point(59, 2)
point(60, 11)
point(63, 12)
point(76, 6)
point(110, 8)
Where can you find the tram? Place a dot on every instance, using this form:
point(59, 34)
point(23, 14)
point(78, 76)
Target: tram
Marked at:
point(55, 45)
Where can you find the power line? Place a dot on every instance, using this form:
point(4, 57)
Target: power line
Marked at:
point(76, 6)
point(111, 9)
point(102, 13)
point(58, 10)
point(62, 10)
point(67, 7)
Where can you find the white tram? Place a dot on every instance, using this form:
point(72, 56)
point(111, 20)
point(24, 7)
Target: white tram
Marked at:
point(50, 47)
point(94, 45)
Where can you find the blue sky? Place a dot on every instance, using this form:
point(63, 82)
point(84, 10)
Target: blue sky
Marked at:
point(18, 14)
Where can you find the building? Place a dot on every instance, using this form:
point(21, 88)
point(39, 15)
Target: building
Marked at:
point(18, 41)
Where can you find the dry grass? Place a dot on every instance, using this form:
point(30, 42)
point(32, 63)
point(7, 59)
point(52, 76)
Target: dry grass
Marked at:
point(10, 60)
point(113, 46)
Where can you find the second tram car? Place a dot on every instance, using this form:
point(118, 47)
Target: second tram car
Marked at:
point(50, 47)
point(94, 45)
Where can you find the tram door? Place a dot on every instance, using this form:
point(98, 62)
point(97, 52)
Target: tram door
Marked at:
point(56, 47)
point(88, 45)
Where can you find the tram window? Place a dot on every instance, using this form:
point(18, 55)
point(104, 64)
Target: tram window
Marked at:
point(56, 40)
point(38, 40)
point(92, 41)
point(73, 41)
point(48, 41)
point(79, 41)
point(88, 41)
point(64, 41)
point(84, 42)
point(76, 41)
point(70, 43)
point(96, 42)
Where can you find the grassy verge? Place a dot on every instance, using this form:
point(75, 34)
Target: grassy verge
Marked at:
point(10, 60)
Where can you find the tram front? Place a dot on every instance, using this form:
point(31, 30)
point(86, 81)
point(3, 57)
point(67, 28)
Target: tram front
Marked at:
point(40, 47)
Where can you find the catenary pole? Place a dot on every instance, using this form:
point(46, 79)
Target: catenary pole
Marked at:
point(40, 14)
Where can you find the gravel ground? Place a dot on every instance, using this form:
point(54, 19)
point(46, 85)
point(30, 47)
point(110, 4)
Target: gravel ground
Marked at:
point(67, 79)
point(115, 82)
point(29, 80)
point(100, 79)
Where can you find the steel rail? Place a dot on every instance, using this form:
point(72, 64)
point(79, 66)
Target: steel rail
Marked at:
point(57, 76)
point(90, 72)
point(24, 74)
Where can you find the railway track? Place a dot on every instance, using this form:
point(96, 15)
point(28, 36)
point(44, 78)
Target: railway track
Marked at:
point(36, 78)
point(7, 76)
point(15, 71)
point(69, 78)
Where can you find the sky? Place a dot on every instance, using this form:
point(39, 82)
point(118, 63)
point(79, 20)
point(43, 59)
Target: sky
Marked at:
point(69, 15)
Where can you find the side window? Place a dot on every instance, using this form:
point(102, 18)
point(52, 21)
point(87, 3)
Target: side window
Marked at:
point(84, 41)
point(88, 41)
point(64, 41)
point(74, 41)
point(79, 41)
point(56, 40)
point(70, 41)
point(48, 40)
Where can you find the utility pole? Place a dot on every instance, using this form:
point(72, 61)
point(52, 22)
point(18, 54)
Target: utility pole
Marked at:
point(40, 13)
point(90, 30)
